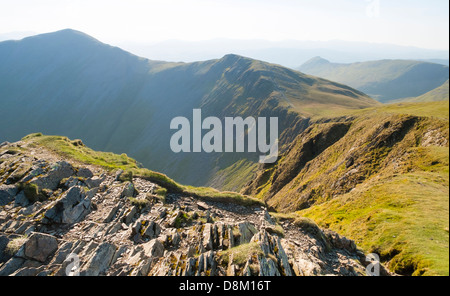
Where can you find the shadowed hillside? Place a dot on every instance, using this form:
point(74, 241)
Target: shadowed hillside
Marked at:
point(71, 84)
point(438, 94)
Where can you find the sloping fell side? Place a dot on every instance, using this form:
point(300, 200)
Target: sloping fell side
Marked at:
point(379, 176)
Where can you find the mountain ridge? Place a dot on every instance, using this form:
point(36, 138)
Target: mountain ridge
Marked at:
point(386, 80)
point(99, 93)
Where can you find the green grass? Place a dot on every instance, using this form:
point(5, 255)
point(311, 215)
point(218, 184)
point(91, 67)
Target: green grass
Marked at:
point(161, 192)
point(73, 150)
point(126, 177)
point(139, 203)
point(183, 218)
point(244, 169)
point(386, 79)
point(159, 179)
point(14, 245)
point(401, 210)
point(107, 160)
point(31, 191)
point(241, 253)
point(211, 194)
point(427, 109)
point(403, 218)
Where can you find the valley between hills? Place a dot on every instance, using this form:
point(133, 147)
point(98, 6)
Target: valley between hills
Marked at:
point(354, 176)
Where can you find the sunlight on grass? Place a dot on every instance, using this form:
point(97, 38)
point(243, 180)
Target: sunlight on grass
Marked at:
point(76, 151)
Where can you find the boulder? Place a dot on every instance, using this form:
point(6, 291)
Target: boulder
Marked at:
point(52, 179)
point(267, 267)
point(112, 212)
point(7, 194)
point(247, 231)
point(283, 258)
point(3, 243)
point(40, 246)
point(22, 200)
point(94, 182)
point(129, 190)
point(11, 266)
point(268, 219)
point(208, 237)
point(153, 249)
point(262, 238)
point(152, 231)
point(85, 173)
point(142, 269)
point(72, 207)
point(128, 217)
point(62, 253)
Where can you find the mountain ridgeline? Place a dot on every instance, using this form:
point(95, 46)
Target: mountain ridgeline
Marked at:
point(68, 83)
point(376, 173)
point(385, 80)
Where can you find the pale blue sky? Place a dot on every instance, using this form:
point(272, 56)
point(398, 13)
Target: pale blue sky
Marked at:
point(421, 23)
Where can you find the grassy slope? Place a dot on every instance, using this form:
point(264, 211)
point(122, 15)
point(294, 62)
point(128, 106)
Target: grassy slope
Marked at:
point(385, 80)
point(399, 203)
point(438, 94)
point(404, 217)
point(437, 109)
point(110, 161)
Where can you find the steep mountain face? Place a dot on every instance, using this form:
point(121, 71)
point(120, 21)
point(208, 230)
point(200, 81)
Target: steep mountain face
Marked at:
point(71, 84)
point(385, 80)
point(61, 217)
point(379, 176)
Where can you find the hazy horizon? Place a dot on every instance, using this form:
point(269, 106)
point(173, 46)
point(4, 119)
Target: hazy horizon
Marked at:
point(288, 53)
point(414, 23)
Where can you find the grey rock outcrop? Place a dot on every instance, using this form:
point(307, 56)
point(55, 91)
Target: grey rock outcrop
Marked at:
point(7, 194)
point(40, 247)
point(51, 179)
point(88, 218)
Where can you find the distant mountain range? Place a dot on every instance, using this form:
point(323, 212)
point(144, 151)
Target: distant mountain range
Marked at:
point(71, 84)
point(288, 53)
point(385, 80)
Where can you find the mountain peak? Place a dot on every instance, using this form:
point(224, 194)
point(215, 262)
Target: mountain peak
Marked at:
point(316, 61)
point(232, 58)
point(64, 36)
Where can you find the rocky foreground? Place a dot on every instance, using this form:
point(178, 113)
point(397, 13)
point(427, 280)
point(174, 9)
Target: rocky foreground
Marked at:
point(59, 217)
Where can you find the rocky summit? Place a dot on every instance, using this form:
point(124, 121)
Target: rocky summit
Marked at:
point(61, 217)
